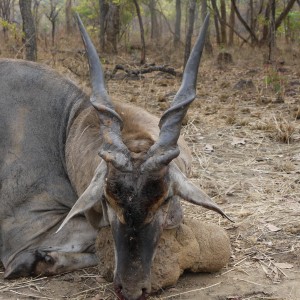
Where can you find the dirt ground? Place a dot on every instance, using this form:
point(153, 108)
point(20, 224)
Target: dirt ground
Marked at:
point(244, 131)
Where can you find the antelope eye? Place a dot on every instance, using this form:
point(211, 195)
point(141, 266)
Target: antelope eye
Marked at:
point(167, 200)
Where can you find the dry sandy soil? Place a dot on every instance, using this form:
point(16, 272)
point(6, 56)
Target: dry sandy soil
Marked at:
point(245, 138)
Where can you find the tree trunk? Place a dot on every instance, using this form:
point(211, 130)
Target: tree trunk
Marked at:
point(272, 30)
point(155, 33)
point(188, 39)
point(28, 30)
point(52, 17)
point(12, 11)
point(208, 46)
point(265, 30)
point(177, 23)
point(5, 7)
point(112, 27)
point(251, 15)
point(143, 53)
point(223, 23)
point(68, 13)
point(284, 13)
point(252, 34)
point(268, 13)
point(216, 21)
point(35, 12)
point(53, 31)
point(103, 6)
point(231, 28)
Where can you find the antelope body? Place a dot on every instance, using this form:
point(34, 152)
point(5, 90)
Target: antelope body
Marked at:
point(70, 165)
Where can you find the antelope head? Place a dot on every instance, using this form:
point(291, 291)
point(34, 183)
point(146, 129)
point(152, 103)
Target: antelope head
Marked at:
point(139, 196)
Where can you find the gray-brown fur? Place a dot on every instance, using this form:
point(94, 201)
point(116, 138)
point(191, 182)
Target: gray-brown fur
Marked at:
point(193, 246)
point(37, 107)
point(49, 152)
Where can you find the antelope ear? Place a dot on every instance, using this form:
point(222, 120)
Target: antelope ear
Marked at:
point(90, 196)
point(98, 215)
point(191, 193)
point(175, 213)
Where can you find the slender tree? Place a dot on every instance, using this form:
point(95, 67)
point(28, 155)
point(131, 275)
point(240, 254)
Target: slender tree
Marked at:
point(223, 22)
point(5, 11)
point(272, 30)
point(247, 27)
point(177, 23)
point(217, 17)
point(251, 15)
point(231, 27)
point(13, 10)
point(155, 32)
point(52, 16)
point(29, 30)
point(204, 11)
point(36, 14)
point(143, 53)
point(69, 19)
point(112, 26)
point(103, 6)
point(266, 28)
point(284, 13)
point(188, 39)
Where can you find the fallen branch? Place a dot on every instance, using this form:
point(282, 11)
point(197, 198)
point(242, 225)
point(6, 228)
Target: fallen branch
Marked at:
point(138, 72)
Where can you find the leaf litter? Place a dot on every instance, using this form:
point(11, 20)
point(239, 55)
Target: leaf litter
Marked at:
point(246, 157)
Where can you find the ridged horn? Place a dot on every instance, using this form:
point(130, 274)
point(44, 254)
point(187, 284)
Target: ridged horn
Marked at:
point(165, 148)
point(113, 149)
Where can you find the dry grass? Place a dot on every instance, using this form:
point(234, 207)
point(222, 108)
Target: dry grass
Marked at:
point(284, 131)
point(252, 172)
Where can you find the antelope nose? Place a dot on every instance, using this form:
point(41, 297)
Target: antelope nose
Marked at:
point(135, 291)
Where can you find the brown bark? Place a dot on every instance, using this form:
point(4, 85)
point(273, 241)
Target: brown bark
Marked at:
point(284, 13)
point(231, 28)
point(251, 13)
point(177, 23)
point(188, 39)
point(52, 17)
point(265, 30)
point(155, 33)
point(139, 72)
point(112, 26)
point(68, 13)
point(272, 30)
point(29, 30)
point(217, 17)
point(5, 10)
point(36, 15)
point(252, 34)
point(103, 6)
point(143, 53)
point(208, 46)
point(223, 23)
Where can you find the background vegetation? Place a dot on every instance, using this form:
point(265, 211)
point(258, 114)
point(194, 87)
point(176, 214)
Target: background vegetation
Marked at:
point(31, 27)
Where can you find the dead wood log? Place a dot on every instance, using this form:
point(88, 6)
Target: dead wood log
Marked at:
point(139, 72)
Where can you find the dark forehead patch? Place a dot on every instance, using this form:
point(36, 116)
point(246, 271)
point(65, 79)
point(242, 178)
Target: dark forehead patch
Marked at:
point(136, 195)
